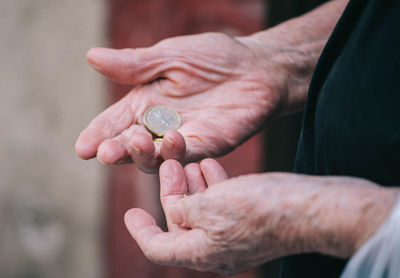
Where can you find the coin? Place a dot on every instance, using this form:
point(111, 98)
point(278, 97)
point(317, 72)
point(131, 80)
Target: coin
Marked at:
point(158, 119)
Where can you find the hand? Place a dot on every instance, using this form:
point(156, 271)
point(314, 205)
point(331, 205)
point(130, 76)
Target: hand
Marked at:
point(229, 226)
point(218, 84)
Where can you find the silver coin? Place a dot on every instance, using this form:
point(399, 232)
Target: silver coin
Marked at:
point(158, 119)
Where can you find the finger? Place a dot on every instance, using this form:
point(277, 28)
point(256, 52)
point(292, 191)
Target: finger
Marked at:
point(112, 151)
point(143, 153)
point(129, 66)
point(212, 171)
point(201, 141)
point(106, 125)
point(133, 144)
point(173, 186)
point(195, 180)
point(173, 145)
point(164, 248)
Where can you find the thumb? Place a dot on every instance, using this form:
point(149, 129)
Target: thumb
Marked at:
point(129, 66)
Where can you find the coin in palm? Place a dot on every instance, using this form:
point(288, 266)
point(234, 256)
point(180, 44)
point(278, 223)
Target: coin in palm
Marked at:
point(158, 119)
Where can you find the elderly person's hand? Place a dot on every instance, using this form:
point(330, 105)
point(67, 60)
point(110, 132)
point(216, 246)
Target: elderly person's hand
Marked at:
point(224, 88)
point(228, 226)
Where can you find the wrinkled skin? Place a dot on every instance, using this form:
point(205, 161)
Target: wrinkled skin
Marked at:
point(225, 89)
point(230, 225)
point(218, 84)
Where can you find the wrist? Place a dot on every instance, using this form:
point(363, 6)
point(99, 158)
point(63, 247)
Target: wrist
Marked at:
point(286, 66)
point(295, 47)
point(376, 216)
point(345, 213)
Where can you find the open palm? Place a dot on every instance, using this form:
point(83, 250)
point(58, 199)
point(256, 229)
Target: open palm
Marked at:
point(215, 82)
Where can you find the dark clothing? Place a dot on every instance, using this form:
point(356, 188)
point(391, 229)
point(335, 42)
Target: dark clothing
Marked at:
point(352, 119)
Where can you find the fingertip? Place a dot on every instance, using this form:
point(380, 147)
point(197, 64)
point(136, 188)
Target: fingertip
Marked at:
point(192, 168)
point(91, 53)
point(173, 146)
point(142, 148)
point(172, 179)
point(137, 220)
point(143, 152)
point(87, 143)
point(195, 179)
point(169, 164)
point(142, 143)
point(111, 152)
point(209, 162)
point(95, 55)
point(213, 171)
point(170, 168)
point(174, 136)
point(115, 64)
point(83, 151)
point(129, 217)
point(92, 57)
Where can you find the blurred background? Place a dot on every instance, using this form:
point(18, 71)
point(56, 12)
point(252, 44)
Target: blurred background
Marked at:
point(63, 217)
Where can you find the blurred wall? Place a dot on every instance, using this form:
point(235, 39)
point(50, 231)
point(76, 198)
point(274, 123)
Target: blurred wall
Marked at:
point(51, 203)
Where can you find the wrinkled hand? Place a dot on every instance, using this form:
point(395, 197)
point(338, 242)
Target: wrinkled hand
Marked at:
point(229, 226)
point(220, 227)
point(217, 83)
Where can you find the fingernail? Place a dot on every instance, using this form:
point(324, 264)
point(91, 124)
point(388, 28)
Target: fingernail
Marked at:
point(93, 56)
point(100, 154)
point(170, 144)
point(137, 150)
